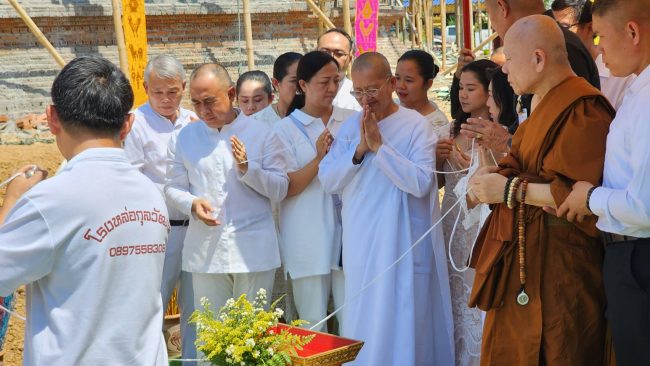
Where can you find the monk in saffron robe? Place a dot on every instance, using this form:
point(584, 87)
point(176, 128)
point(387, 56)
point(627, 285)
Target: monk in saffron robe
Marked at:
point(549, 308)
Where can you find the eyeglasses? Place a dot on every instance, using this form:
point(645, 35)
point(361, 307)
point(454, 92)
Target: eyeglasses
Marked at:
point(370, 93)
point(335, 53)
point(568, 26)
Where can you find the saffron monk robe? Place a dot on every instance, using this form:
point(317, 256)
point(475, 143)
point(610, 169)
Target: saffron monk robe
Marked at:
point(540, 278)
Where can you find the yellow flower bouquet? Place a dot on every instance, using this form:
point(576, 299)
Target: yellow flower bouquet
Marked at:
point(244, 334)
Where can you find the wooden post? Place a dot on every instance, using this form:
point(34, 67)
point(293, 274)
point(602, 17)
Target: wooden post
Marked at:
point(248, 30)
point(320, 14)
point(321, 24)
point(397, 29)
point(480, 24)
point(443, 27)
point(347, 24)
point(413, 23)
point(119, 37)
point(428, 24)
point(37, 33)
point(485, 42)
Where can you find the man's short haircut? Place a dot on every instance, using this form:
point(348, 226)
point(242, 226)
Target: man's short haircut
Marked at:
point(602, 7)
point(92, 95)
point(216, 69)
point(165, 67)
point(341, 32)
point(255, 75)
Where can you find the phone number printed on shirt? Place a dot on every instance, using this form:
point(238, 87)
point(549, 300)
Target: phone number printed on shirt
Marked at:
point(136, 249)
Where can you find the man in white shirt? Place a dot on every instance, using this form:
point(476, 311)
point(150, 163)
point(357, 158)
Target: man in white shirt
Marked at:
point(622, 203)
point(146, 148)
point(90, 242)
point(224, 171)
point(382, 164)
point(339, 44)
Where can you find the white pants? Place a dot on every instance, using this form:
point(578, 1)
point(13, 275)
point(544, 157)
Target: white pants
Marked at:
point(172, 267)
point(311, 296)
point(218, 288)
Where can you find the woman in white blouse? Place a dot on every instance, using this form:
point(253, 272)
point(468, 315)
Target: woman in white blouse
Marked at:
point(284, 84)
point(415, 72)
point(309, 222)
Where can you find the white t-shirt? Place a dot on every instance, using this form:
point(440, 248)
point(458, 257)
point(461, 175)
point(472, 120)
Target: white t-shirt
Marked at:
point(90, 244)
point(344, 99)
point(201, 165)
point(146, 144)
point(311, 234)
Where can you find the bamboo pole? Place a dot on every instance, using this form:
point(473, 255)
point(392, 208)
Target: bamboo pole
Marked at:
point(443, 26)
point(480, 24)
point(248, 30)
point(119, 37)
point(321, 24)
point(37, 33)
point(413, 24)
point(347, 24)
point(476, 49)
point(428, 26)
point(320, 14)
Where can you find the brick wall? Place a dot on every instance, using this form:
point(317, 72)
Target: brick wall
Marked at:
point(27, 70)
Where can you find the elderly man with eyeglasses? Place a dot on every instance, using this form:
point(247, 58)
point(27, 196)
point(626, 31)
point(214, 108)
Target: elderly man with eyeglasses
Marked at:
point(339, 45)
point(382, 164)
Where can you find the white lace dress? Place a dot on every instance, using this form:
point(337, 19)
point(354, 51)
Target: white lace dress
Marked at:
point(463, 225)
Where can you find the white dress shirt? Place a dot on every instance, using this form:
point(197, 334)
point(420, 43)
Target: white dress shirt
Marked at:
point(146, 144)
point(622, 204)
point(90, 244)
point(344, 99)
point(201, 165)
point(268, 116)
point(612, 87)
point(310, 232)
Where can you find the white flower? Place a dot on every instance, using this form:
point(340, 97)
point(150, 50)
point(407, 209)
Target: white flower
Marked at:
point(242, 363)
point(270, 351)
point(256, 354)
point(250, 342)
point(205, 302)
point(279, 312)
point(230, 302)
point(230, 349)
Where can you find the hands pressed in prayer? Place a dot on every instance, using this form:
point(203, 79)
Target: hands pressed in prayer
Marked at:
point(239, 153)
point(204, 212)
point(370, 137)
point(488, 134)
point(463, 160)
point(487, 185)
point(575, 205)
point(371, 130)
point(323, 144)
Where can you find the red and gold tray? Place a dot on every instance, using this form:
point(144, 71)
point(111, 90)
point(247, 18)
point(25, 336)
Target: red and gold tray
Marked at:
point(324, 350)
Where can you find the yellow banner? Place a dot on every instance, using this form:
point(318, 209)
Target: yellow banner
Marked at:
point(135, 37)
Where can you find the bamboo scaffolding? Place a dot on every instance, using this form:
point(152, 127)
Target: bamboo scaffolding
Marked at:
point(319, 13)
point(119, 38)
point(476, 49)
point(248, 31)
point(347, 24)
point(37, 32)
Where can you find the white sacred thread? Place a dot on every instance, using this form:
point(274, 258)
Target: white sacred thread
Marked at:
point(12, 313)
point(372, 282)
point(28, 174)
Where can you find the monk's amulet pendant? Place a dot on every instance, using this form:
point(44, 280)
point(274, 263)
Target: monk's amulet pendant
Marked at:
point(522, 298)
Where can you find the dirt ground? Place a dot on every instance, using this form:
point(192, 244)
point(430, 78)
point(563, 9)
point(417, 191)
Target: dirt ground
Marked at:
point(12, 157)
